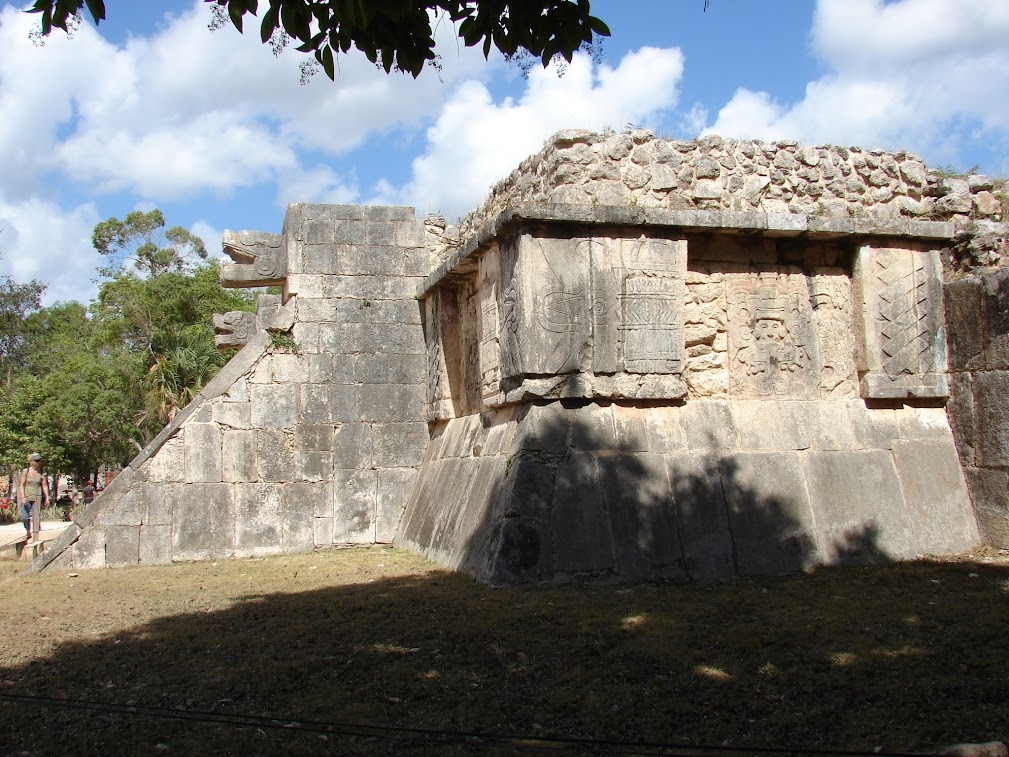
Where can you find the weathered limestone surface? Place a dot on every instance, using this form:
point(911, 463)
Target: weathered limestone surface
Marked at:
point(286, 451)
point(636, 170)
point(638, 358)
point(977, 307)
point(534, 492)
point(901, 315)
point(789, 296)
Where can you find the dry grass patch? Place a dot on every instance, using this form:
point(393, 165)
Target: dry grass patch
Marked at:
point(904, 657)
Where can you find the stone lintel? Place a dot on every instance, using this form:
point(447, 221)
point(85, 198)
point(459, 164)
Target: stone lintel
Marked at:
point(685, 222)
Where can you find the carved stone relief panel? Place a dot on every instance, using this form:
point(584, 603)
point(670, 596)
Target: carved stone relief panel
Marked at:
point(901, 322)
point(439, 392)
point(830, 293)
point(772, 343)
point(591, 317)
point(451, 336)
point(489, 278)
point(466, 383)
point(545, 316)
point(651, 305)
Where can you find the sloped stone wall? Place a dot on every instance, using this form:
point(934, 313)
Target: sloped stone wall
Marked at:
point(311, 440)
point(702, 490)
point(977, 308)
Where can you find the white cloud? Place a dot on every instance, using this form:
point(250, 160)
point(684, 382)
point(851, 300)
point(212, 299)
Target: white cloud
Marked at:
point(866, 35)
point(211, 237)
point(172, 116)
point(927, 75)
point(188, 110)
point(42, 241)
point(317, 184)
point(476, 141)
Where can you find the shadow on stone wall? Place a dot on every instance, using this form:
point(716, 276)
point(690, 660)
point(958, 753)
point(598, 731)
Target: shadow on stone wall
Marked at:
point(636, 501)
point(977, 309)
point(821, 660)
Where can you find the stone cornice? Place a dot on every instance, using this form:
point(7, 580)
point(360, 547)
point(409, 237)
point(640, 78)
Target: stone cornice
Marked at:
point(686, 222)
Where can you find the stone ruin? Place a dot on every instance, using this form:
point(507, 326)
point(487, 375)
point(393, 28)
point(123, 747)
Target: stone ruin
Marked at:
point(638, 359)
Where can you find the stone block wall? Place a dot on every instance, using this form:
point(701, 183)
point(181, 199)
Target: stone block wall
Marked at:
point(977, 308)
point(310, 440)
point(684, 395)
point(639, 357)
point(702, 490)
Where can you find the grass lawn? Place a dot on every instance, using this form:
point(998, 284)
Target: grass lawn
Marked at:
point(321, 653)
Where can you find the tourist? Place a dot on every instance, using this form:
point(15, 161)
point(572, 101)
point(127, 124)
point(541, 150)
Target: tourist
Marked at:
point(89, 492)
point(33, 489)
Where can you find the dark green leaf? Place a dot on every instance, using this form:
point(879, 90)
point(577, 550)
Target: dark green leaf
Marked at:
point(597, 26)
point(327, 62)
point(270, 22)
point(236, 9)
point(97, 10)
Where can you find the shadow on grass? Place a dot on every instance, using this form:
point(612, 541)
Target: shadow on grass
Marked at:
point(906, 657)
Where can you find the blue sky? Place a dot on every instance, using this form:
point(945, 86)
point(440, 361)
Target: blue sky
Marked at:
point(152, 110)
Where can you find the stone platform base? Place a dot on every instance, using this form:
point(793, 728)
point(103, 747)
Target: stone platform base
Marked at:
point(702, 490)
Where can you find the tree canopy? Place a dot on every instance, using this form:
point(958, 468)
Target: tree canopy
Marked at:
point(141, 240)
point(395, 34)
point(88, 386)
point(16, 301)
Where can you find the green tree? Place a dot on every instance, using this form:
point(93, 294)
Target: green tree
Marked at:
point(51, 334)
point(156, 305)
point(395, 34)
point(149, 314)
point(90, 386)
point(178, 374)
point(16, 302)
point(141, 243)
point(71, 402)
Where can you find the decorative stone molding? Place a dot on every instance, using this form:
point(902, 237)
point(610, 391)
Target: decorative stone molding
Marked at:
point(235, 328)
point(260, 259)
point(901, 321)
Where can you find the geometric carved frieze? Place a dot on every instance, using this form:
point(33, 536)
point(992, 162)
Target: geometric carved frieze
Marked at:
point(773, 346)
point(639, 290)
point(260, 259)
point(901, 319)
point(652, 300)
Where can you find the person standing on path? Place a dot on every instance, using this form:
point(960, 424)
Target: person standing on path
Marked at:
point(33, 492)
point(89, 492)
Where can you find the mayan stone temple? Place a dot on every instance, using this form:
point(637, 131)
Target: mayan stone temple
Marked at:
point(638, 359)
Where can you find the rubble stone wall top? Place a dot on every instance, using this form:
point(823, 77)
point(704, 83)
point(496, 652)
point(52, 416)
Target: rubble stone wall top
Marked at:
point(579, 167)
